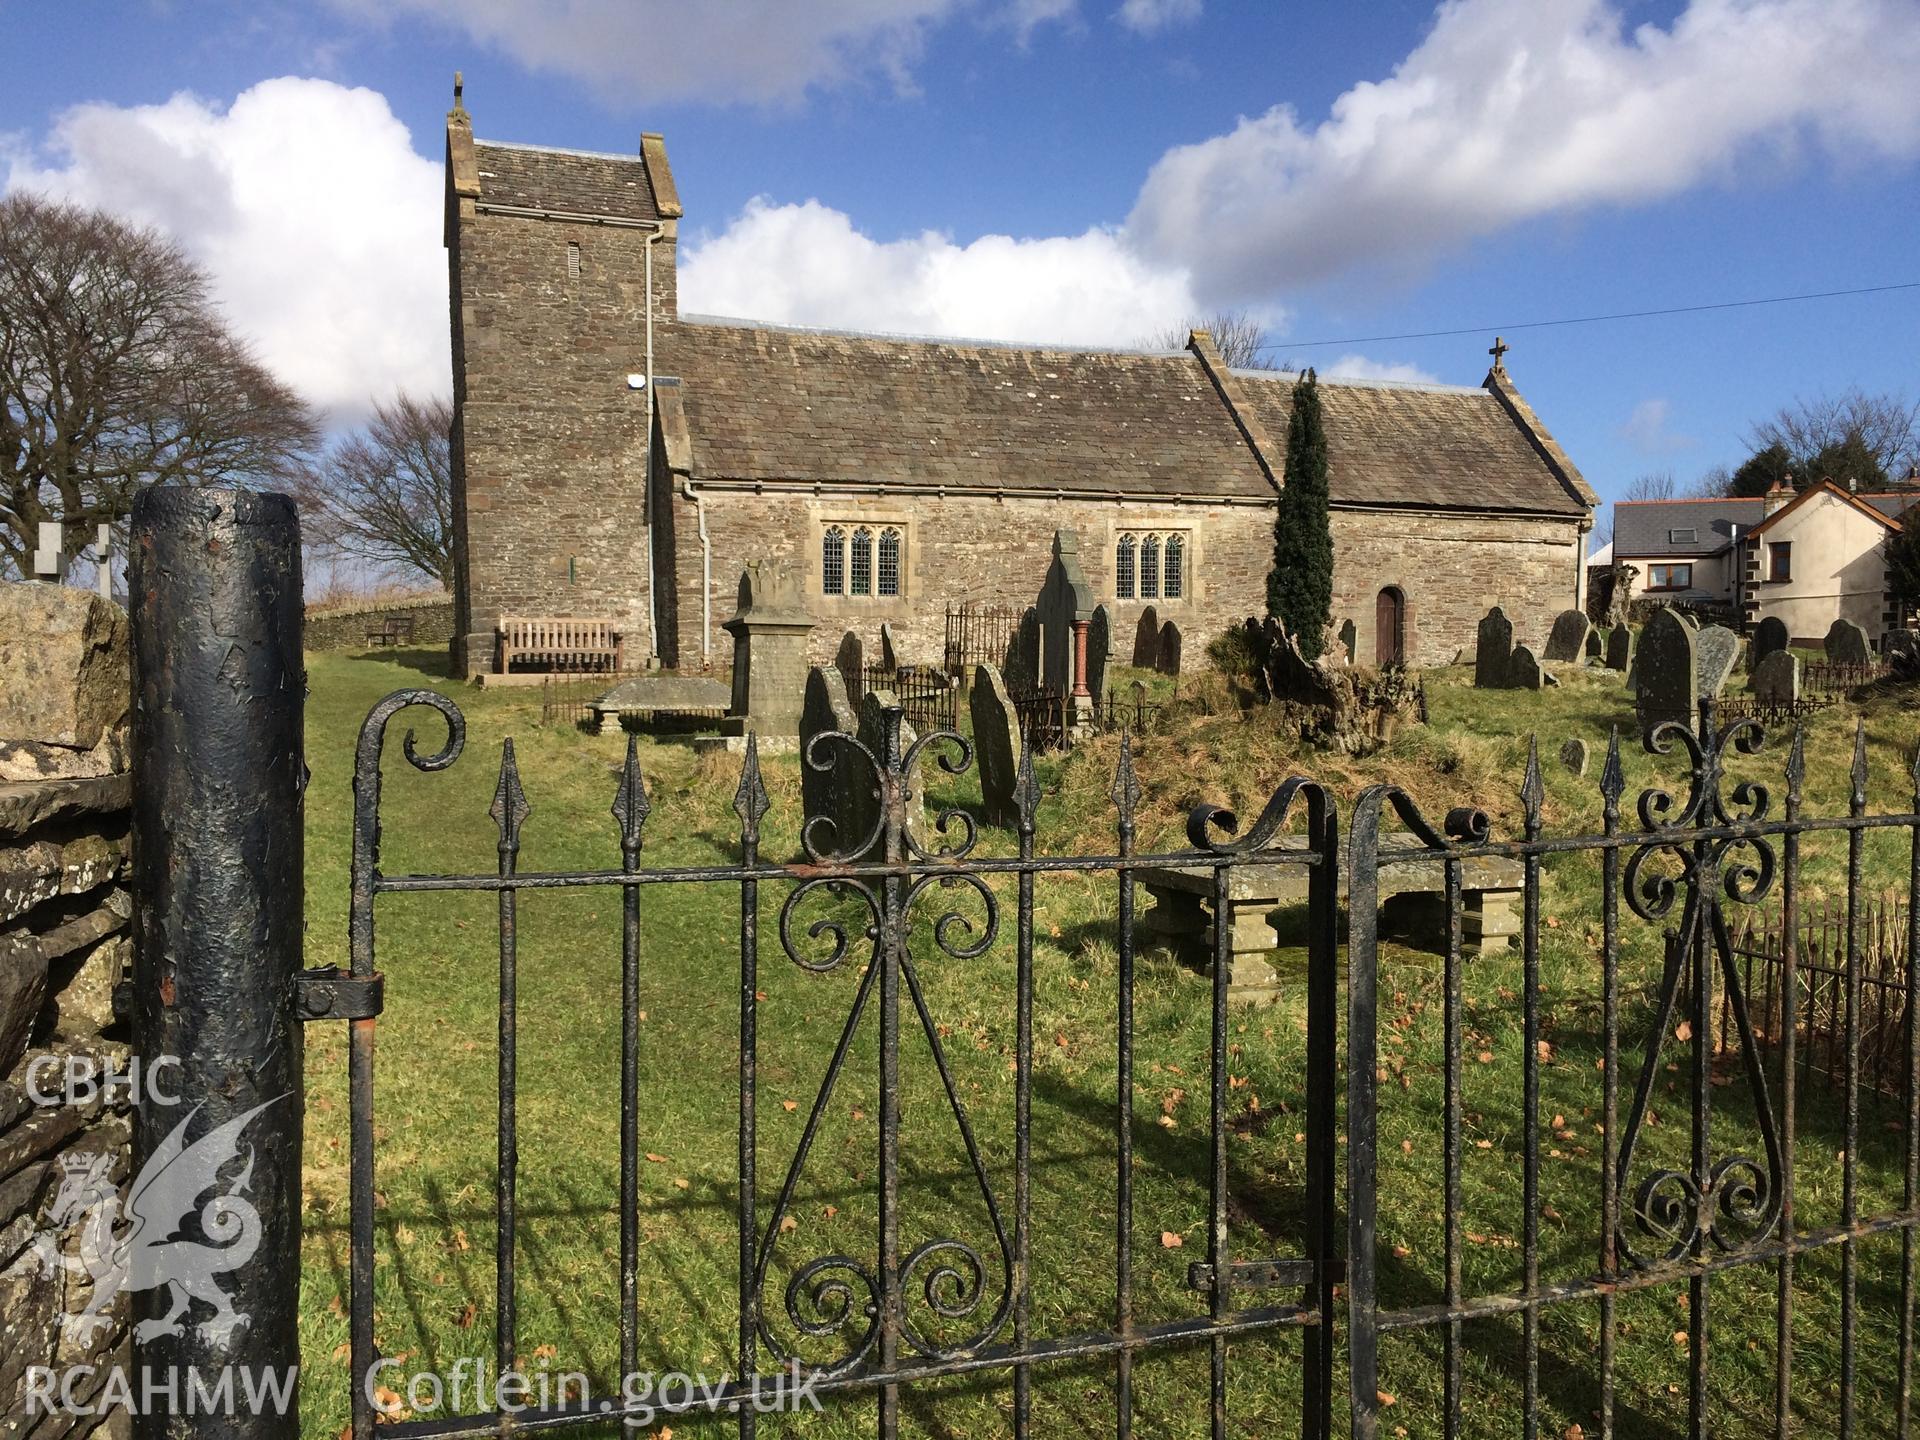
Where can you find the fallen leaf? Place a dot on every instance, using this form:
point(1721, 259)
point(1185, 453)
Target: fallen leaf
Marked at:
point(680, 1182)
point(1683, 1031)
point(831, 1211)
point(1386, 1398)
point(1574, 1432)
point(545, 1352)
point(1485, 1057)
point(1166, 1122)
point(1544, 1048)
point(788, 1224)
point(342, 1353)
point(1401, 1252)
point(1406, 1147)
point(1170, 1240)
point(460, 1241)
point(466, 1315)
point(789, 1105)
point(1484, 1144)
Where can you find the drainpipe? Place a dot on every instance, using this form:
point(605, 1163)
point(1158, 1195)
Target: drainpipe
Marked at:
point(706, 571)
point(653, 601)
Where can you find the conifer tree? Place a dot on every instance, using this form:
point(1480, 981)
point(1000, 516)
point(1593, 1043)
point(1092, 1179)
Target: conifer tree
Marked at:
point(1300, 584)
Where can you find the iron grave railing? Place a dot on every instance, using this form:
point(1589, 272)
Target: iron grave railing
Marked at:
point(914, 1306)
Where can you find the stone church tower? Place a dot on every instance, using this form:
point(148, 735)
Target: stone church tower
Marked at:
point(562, 303)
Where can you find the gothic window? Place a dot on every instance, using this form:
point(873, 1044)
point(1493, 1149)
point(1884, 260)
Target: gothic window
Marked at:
point(1150, 568)
point(862, 562)
point(833, 561)
point(1123, 568)
point(889, 562)
point(1173, 574)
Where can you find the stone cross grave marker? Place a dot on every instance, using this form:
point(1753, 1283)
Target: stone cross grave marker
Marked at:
point(1568, 641)
point(48, 561)
point(1847, 644)
point(996, 744)
point(1493, 650)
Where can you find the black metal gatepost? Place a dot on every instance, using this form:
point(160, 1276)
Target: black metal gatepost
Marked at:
point(217, 824)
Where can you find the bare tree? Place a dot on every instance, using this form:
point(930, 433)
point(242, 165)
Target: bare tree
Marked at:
point(1241, 340)
point(385, 494)
point(1870, 439)
point(1654, 485)
point(116, 372)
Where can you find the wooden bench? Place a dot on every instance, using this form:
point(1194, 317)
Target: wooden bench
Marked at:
point(560, 642)
point(392, 630)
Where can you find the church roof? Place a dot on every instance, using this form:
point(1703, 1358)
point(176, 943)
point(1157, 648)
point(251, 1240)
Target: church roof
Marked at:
point(582, 182)
point(772, 403)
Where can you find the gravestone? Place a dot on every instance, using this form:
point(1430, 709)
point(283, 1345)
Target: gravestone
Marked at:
point(1668, 672)
point(1065, 599)
point(1847, 644)
point(889, 655)
point(1493, 650)
point(1620, 647)
point(996, 744)
point(1349, 639)
point(1146, 640)
point(1776, 679)
point(1768, 636)
point(1099, 651)
point(1523, 671)
point(769, 653)
point(1169, 649)
point(1902, 650)
point(863, 800)
point(1022, 670)
point(828, 792)
point(1716, 650)
point(1568, 640)
point(1596, 646)
point(850, 661)
point(1573, 755)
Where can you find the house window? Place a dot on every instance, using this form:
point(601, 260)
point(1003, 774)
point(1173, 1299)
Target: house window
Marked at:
point(1149, 565)
point(862, 562)
point(833, 561)
point(1780, 560)
point(1688, 536)
point(1669, 577)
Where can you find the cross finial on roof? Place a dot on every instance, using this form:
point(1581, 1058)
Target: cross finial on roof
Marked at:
point(459, 105)
point(1499, 353)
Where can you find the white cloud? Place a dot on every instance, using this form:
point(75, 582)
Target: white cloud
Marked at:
point(648, 52)
point(1649, 428)
point(309, 209)
point(807, 264)
point(1150, 16)
point(1513, 109)
point(1359, 367)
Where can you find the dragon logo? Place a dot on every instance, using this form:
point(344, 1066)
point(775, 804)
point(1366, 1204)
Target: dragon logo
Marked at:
point(142, 1248)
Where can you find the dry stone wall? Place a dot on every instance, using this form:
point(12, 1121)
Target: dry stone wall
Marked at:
point(65, 945)
point(346, 627)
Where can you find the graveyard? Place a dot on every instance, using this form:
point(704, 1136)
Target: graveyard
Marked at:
point(434, 1204)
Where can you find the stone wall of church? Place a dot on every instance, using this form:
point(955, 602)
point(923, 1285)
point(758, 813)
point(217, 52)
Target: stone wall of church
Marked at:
point(960, 547)
point(549, 321)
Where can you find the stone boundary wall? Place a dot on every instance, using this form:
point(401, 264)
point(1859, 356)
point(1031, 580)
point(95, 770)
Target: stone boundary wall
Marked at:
point(346, 627)
point(65, 946)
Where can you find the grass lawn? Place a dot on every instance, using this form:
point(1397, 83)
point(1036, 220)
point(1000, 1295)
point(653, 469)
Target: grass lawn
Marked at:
point(435, 1083)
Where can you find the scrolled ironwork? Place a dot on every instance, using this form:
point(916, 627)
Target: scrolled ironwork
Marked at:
point(840, 932)
point(1735, 1200)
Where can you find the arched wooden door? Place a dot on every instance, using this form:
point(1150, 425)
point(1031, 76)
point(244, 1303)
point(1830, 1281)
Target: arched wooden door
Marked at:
point(1390, 627)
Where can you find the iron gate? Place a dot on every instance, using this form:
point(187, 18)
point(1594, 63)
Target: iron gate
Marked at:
point(917, 1307)
point(912, 1308)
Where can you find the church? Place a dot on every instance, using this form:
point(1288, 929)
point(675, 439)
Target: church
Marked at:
point(617, 459)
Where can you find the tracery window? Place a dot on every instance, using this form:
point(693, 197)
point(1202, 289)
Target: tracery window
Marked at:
point(862, 562)
point(1173, 573)
point(833, 561)
point(890, 561)
point(1123, 568)
point(1150, 568)
point(1150, 565)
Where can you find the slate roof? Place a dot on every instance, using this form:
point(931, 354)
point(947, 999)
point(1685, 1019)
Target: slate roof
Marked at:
point(1644, 527)
point(1450, 446)
point(1894, 504)
point(534, 177)
point(774, 403)
point(770, 403)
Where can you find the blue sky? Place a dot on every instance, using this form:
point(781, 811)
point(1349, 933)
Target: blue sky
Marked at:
point(1065, 169)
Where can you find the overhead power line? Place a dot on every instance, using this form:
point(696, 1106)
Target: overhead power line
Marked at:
point(1590, 319)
